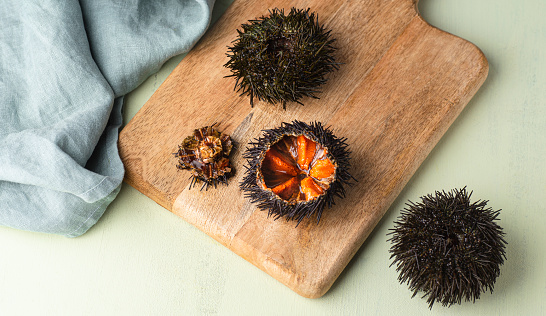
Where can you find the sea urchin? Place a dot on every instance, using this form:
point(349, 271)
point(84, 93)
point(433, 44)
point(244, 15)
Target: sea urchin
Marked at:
point(295, 170)
point(281, 58)
point(448, 247)
point(206, 153)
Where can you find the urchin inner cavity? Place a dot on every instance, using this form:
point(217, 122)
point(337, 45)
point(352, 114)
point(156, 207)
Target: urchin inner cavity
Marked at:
point(296, 169)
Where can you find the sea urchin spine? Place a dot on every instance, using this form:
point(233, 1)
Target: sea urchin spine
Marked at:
point(281, 58)
point(447, 247)
point(295, 170)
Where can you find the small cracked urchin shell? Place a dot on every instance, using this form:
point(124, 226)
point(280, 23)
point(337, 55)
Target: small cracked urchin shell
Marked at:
point(281, 58)
point(295, 170)
point(206, 153)
point(447, 247)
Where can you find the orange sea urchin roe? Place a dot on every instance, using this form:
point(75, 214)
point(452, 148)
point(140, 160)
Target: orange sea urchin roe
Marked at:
point(287, 189)
point(310, 188)
point(275, 161)
point(322, 169)
point(306, 151)
point(297, 169)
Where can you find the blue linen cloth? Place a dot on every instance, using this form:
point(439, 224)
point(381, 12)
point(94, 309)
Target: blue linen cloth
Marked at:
point(64, 68)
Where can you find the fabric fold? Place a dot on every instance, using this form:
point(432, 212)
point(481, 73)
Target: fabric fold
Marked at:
point(65, 67)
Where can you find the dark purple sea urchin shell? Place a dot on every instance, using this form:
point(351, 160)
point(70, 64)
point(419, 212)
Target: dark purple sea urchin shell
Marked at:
point(447, 247)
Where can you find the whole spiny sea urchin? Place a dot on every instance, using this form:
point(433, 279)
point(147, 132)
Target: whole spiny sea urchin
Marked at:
point(281, 58)
point(447, 247)
point(295, 170)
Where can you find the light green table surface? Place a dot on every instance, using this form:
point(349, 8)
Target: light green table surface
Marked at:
point(142, 260)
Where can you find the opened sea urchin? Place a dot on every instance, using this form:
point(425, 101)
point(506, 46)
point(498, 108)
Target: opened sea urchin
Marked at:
point(447, 247)
point(295, 170)
point(206, 154)
point(281, 58)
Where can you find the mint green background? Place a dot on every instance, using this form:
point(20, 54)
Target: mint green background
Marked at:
point(140, 259)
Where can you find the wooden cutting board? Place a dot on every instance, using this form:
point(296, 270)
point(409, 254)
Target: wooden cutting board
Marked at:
point(401, 85)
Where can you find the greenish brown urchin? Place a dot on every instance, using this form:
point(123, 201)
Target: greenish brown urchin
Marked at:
point(281, 58)
point(295, 170)
point(447, 247)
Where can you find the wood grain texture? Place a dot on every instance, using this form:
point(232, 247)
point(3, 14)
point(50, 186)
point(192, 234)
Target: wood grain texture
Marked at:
point(401, 85)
